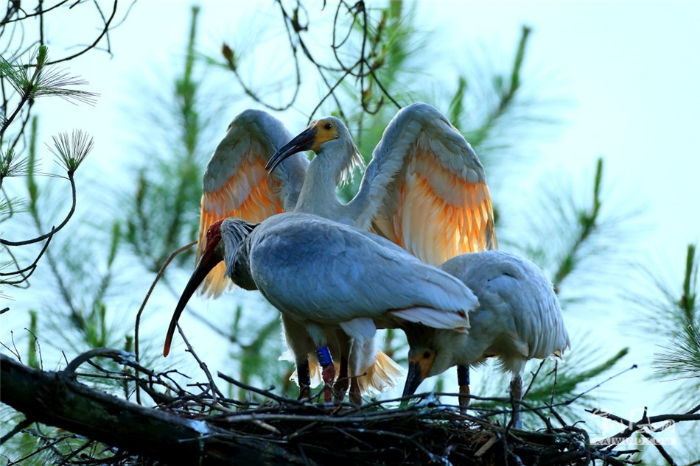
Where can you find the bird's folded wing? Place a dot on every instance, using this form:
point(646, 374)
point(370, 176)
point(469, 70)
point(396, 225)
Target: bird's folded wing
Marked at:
point(236, 183)
point(360, 328)
point(435, 318)
point(429, 188)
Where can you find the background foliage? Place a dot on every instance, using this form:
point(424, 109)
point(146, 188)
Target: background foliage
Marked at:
point(372, 67)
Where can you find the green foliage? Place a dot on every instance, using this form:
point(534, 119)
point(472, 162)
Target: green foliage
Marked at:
point(32, 359)
point(160, 214)
point(162, 210)
point(39, 79)
point(70, 151)
point(682, 355)
point(505, 90)
point(680, 323)
point(10, 165)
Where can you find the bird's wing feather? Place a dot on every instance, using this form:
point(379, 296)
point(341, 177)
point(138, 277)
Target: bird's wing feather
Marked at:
point(428, 188)
point(236, 183)
point(347, 275)
point(517, 301)
point(434, 318)
point(375, 370)
point(540, 324)
point(361, 328)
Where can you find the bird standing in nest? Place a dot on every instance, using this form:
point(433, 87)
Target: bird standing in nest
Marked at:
point(325, 275)
point(424, 189)
point(518, 319)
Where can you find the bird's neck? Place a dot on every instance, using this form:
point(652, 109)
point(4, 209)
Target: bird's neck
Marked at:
point(318, 195)
point(455, 349)
point(239, 271)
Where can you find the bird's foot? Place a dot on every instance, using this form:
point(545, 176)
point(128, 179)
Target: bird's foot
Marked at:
point(339, 388)
point(304, 392)
point(355, 396)
point(464, 398)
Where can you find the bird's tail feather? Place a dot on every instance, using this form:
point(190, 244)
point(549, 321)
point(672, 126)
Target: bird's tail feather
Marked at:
point(382, 374)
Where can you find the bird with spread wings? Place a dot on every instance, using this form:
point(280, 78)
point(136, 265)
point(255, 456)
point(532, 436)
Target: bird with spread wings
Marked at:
point(424, 189)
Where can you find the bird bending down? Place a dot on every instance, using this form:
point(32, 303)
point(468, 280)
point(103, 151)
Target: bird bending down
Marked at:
point(424, 189)
point(518, 319)
point(325, 275)
point(236, 184)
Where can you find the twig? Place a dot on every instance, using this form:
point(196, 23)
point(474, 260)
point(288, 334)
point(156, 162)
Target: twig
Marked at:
point(118, 355)
point(23, 424)
point(137, 326)
point(264, 393)
point(659, 447)
point(212, 386)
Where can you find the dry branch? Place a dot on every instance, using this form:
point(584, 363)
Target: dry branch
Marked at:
point(57, 399)
point(199, 428)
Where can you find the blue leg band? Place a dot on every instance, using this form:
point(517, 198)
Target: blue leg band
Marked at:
point(324, 356)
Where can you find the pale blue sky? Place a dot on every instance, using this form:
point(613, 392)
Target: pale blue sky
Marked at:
point(628, 72)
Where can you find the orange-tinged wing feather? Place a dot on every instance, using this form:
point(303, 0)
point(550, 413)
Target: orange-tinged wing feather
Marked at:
point(437, 205)
point(236, 183)
point(435, 223)
point(259, 201)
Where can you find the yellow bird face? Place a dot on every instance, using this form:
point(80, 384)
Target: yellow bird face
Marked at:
point(312, 138)
point(323, 130)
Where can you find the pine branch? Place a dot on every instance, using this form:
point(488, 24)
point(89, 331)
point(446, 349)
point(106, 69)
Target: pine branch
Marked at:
point(506, 95)
point(677, 317)
point(682, 355)
point(71, 151)
point(586, 227)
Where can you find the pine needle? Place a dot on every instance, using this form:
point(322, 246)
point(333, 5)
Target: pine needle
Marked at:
point(683, 354)
point(71, 151)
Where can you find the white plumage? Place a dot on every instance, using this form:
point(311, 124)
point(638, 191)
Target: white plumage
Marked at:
point(323, 275)
point(424, 190)
point(518, 319)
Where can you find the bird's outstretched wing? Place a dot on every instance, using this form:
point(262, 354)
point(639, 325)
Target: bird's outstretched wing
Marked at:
point(428, 188)
point(236, 183)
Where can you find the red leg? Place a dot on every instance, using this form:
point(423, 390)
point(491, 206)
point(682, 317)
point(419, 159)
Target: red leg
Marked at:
point(328, 371)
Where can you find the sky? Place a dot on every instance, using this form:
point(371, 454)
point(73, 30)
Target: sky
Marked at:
point(625, 73)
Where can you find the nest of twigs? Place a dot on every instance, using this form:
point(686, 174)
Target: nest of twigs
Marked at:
point(419, 430)
point(198, 424)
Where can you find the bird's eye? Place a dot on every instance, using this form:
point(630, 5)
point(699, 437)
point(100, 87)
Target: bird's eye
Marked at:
point(328, 126)
point(426, 355)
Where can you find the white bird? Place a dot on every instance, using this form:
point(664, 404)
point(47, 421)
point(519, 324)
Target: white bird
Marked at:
point(236, 184)
point(518, 319)
point(325, 275)
point(424, 189)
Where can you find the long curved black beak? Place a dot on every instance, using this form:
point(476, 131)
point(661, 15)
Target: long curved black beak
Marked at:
point(210, 258)
point(303, 141)
point(413, 379)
